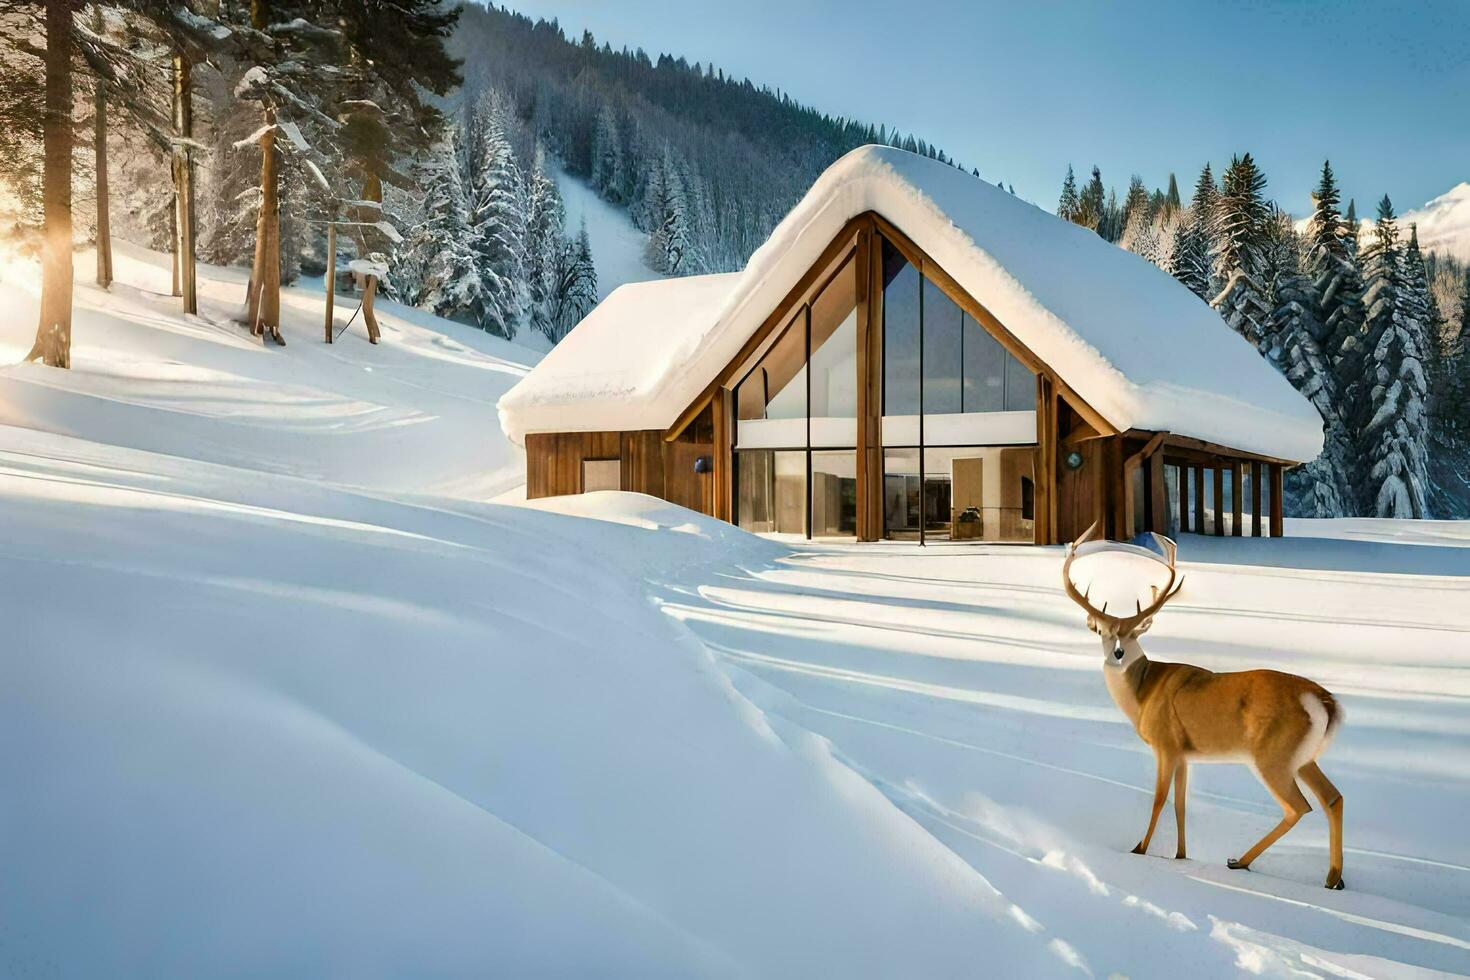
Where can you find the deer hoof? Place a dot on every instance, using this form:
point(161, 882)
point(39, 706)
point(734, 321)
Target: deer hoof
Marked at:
point(1235, 865)
point(1138, 849)
point(1336, 886)
point(1179, 856)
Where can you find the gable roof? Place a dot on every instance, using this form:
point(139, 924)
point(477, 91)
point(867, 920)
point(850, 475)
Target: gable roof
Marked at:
point(1140, 348)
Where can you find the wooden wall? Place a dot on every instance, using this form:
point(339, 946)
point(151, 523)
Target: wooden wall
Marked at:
point(650, 464)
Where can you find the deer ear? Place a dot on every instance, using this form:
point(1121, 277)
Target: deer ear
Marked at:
point(1092, 623)
point(1142, 627)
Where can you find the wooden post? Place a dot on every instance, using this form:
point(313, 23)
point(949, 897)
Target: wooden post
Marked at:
point(1277, 504)
point(183, 167)
point(1044, 477)
point(1219, 499)
point(1199, 500)
point(1183, 497)
point(1255, 498)
point(869, 453)
point(1158, 493)
point(1235, 499)
point(99, 141)
point(331, 277)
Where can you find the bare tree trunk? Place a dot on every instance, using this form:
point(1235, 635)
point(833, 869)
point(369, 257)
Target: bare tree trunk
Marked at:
point(183, 167)
point(99, 139)
point(372, 190)
point(53, 333)
point(265, 276)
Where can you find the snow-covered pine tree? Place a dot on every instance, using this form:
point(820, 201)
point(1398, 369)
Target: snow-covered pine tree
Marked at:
point(670, 246)
point(444, 244)
point(608, 176)
point(1392, 389)
point(1068, 204)
point(1092, 203)
point(544, 245)
point(1239, 228)
point(1331, 260)
point(576, 279)
point(1135, 203)
point(1189, 259)
point(1322, 487)
point(498, 223)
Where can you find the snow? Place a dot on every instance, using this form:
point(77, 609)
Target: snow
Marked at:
point(1444, 223)
point(617, 246)
point(1138, 347)
point(292, 686)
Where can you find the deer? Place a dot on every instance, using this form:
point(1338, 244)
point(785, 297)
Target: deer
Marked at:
point(1277, 723)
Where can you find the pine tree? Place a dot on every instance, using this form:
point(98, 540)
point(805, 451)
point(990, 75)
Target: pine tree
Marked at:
point(544, 244)
point(1240, 216)
point(444, 244)
point(576, 292)
point(608, 174)
point(1394, 413)
point(1092, 204)
point(1172, 204)
point(1135, 203)
point(1189, 259)
point(1067, 204)
point(498, 224)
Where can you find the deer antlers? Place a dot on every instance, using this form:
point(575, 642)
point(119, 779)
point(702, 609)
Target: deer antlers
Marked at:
point(1122, 625)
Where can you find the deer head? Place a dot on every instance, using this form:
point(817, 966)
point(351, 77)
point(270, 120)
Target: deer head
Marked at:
point(1119, 634)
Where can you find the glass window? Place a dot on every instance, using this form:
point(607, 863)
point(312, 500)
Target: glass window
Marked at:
point(834, 494)
point(900, 335)
point(984, 370)
point(1020, 386)
point(980, 493)
point(943, 346)
point(770, 402)
point(901, 493)
point(602, 474)
point(834, 361)
point(771, 491)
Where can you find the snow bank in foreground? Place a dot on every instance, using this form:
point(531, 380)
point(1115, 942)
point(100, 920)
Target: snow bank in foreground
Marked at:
point(258, 723)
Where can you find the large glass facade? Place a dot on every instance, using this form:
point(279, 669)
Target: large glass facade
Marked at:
point(796, 421)
point(959, 418)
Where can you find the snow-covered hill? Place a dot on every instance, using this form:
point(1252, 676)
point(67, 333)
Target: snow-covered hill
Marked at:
point(1444, 223)
point(617, 246)
point(285, 692)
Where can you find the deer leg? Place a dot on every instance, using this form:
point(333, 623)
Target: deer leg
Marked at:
point(1161, 792)
point(1294, 806)
point(1181, 791)
point(1331, 801)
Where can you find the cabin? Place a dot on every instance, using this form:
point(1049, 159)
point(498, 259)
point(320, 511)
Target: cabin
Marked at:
point(915, 354)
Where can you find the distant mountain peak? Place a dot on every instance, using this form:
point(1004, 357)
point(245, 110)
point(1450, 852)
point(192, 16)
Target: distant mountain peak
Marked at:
point(1444, 223)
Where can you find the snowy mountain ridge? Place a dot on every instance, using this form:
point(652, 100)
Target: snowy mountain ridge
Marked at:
point(1444, 223)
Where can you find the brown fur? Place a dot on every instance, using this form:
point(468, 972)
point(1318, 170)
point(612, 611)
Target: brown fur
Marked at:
point(1188, 714)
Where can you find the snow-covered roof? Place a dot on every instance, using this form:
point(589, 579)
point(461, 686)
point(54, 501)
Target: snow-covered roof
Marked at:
point(1139, 347)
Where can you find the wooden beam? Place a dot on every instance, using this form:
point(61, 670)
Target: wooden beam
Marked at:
point(808, 285)
point(1045, 477)
point(1199, 499)
point(1278, 514)
point(1219, 499)
point(1215, 449)
point(1235, 499)
point(1158, 495)
point(1255, 499)
point(1081, 431)
point(869, 326)
point(1183, 497)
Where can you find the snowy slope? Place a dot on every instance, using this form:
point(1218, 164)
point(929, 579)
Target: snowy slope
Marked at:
point(1444, 223)
point(283, 694)
point(617, 246)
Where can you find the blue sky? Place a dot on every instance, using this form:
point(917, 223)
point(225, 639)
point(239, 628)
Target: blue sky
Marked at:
point(1021, 89)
